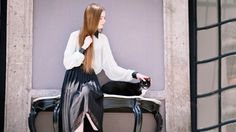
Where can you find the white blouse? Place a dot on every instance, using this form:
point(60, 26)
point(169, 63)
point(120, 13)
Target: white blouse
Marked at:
point(103, 58)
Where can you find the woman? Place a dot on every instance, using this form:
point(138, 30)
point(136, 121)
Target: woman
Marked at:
point(87, 53)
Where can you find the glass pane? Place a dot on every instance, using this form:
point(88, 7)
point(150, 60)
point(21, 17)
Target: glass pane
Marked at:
point(228, 104)
point(207, 43)
point(207, 111)
point(207, 77)
point(229, 128)
point(206, 12)
point(228, 35)
point(228, 9)
point(228, 72)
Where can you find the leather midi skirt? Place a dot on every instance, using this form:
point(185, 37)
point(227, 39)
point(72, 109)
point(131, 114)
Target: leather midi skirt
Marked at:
point(80, 96)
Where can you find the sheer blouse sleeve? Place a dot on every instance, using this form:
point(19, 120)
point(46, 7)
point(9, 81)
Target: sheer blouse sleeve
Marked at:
point(72, 57)
point(112, 70)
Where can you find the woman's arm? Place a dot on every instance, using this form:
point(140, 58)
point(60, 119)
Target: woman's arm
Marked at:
point(115, 72)
point(109, 65)
point(72, 57)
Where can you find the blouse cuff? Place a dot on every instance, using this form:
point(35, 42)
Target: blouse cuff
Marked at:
point(134, 75)
point(81, 50)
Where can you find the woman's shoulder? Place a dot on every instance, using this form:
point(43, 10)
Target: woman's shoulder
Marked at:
point(75, 33)
point(103, 36)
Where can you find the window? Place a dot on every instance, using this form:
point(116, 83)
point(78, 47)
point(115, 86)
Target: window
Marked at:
point(213, 65)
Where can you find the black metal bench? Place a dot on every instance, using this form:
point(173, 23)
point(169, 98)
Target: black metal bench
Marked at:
point(112, 103)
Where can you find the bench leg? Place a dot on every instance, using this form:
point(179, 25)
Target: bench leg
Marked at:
point(56, 118)
point(159, 121)
point(31, 120)
point(138, 118)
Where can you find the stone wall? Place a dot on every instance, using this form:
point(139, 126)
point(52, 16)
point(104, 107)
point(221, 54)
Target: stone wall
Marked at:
point(19, 93)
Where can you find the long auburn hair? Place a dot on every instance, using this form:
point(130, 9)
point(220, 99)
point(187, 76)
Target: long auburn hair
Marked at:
point(90, 25)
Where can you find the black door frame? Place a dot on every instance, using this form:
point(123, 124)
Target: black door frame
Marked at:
point(193, 60)
point(3, 18)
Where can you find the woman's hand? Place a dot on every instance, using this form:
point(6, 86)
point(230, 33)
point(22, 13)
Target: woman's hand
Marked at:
point(87, 42)
point(143, 77)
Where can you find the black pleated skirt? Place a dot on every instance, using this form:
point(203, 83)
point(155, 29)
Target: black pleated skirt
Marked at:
point(80, 95)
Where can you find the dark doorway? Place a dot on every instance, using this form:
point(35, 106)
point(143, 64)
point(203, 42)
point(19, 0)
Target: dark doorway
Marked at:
point(213, 65)
point(3, 12)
